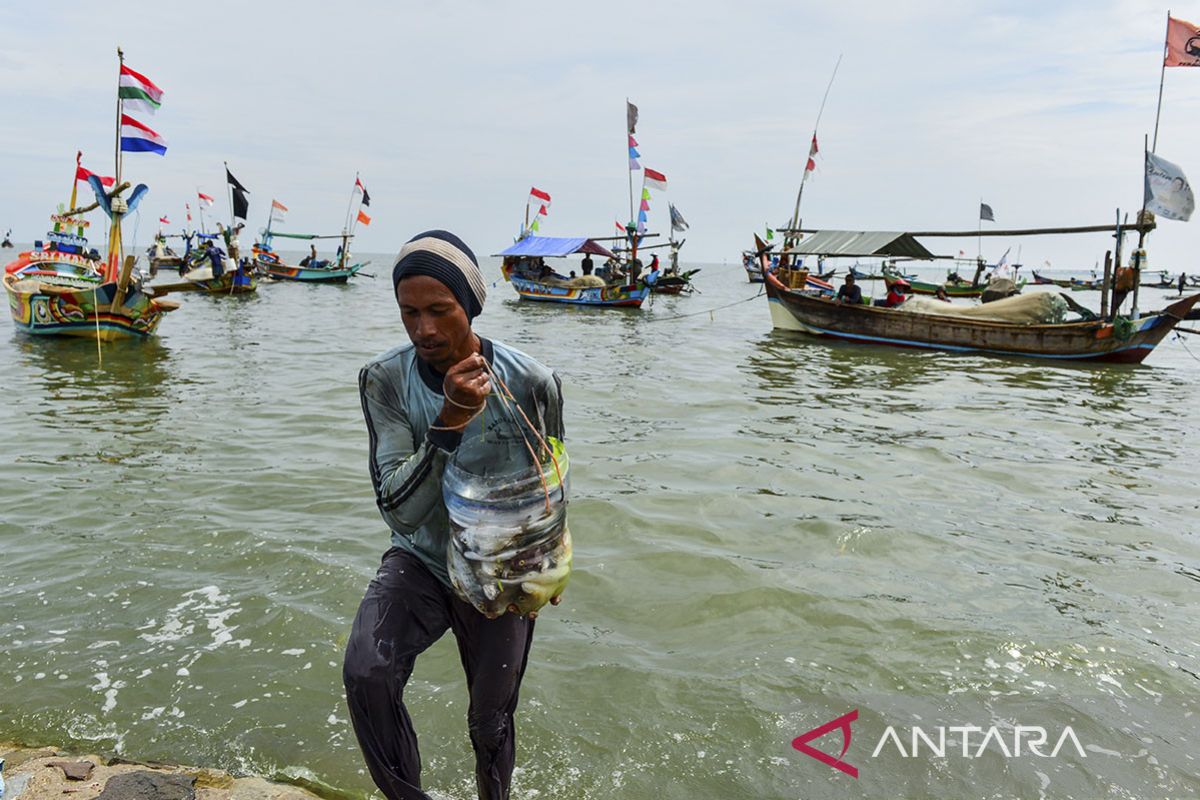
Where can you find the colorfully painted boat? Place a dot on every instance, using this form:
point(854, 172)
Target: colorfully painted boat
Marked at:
point(525, 269)
point(62, 288)
point(270, 263)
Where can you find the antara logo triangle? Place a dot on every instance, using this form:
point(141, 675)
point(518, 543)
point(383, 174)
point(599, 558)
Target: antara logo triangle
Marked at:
point(842, 723)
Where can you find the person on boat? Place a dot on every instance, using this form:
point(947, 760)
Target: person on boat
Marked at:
point(896, 293)
point(849, 292)
point(654, 274)
point(940, 294)
point(634, 270)
point(586, 266)
point(310, 260)
point(417, 400)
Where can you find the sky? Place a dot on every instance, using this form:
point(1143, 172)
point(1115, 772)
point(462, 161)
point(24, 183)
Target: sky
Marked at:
point(450, 112)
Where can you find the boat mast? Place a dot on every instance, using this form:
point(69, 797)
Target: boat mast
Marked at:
point(114, 232)
point(1162, 75)
point(788, 241)
point(229, 188)
point(350, 204)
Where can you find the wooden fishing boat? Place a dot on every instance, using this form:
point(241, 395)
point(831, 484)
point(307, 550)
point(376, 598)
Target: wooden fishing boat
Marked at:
point(1074, 284)
point(953, 288)
point(270, 263)
point(750, 263)
point(160, 256)
point(62, 288)
point(1093, 337)
point(525, 269)
point(7, 242)
point(1121, 340)
point(674, 284)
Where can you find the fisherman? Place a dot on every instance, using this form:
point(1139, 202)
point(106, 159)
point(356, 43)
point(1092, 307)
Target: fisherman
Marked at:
point(1182, 281)
point(896, 293)
point(849, 292)
point(420, 401)
point(587, 265)
point(940, 294)
point(310, 260)
point(653, 275)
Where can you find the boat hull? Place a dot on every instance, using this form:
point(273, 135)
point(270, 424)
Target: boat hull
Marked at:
point(602, 296)
point(44, 309)
point(1125, 342)
point(269, 264)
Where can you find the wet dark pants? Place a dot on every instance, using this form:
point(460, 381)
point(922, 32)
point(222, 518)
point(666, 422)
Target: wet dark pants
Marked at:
point(405, 610)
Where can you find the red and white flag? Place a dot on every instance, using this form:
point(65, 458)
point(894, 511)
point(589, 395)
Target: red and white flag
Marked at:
point(1183, 44)
point(278, 209)
point(205, 200)
point(655, 180)
point(163, 219)
point(82, 174)
point(812, 152)
point(188, 210)
point(358, 184)
point(540, 195)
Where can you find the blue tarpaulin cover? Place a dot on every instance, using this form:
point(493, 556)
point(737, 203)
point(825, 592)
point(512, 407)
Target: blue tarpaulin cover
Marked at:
point(554, 246)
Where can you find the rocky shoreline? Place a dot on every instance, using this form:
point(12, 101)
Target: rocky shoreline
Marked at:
point(47, 773)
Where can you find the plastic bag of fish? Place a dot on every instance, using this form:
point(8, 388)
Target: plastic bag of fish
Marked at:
point(509, 542)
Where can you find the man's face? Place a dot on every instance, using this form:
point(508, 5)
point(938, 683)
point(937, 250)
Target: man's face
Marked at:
point(436, 324)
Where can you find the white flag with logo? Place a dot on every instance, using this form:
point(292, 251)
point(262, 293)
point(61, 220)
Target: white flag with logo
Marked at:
point(1168, 192)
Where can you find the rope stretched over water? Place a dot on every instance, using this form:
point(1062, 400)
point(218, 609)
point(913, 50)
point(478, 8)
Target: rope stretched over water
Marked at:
point(1184, 343)
point(761, 292)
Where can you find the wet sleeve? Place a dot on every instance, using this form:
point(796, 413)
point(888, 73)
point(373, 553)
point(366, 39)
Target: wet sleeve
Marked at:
point(553, 408)
point(406, 475)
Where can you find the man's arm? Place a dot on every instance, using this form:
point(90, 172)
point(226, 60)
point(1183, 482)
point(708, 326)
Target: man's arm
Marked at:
point(406, 476)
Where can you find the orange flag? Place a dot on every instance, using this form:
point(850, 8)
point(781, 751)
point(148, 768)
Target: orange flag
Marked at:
point(1183, 44)
point(363, 218)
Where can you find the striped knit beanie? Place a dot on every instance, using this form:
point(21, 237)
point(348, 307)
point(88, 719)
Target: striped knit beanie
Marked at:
point(444, 257)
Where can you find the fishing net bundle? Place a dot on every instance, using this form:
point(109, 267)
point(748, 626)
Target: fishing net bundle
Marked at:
point(509, 543)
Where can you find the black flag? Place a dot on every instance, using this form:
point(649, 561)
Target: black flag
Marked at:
point(241, 206)
point(985, 212)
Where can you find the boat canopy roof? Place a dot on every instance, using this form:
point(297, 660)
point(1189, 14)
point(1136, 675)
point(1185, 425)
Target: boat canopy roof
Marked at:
point(555, 246)
point(307, 236)
point(861, 244)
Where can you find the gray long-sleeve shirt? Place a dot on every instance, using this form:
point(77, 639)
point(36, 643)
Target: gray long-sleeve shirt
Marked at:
point(401, 399)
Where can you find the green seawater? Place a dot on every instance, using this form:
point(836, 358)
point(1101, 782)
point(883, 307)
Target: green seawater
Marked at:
point(770, 532)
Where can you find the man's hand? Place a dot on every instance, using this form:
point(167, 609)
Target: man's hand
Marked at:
point(465, 387)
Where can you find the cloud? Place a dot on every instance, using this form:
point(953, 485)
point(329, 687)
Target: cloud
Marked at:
point(451, 111)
